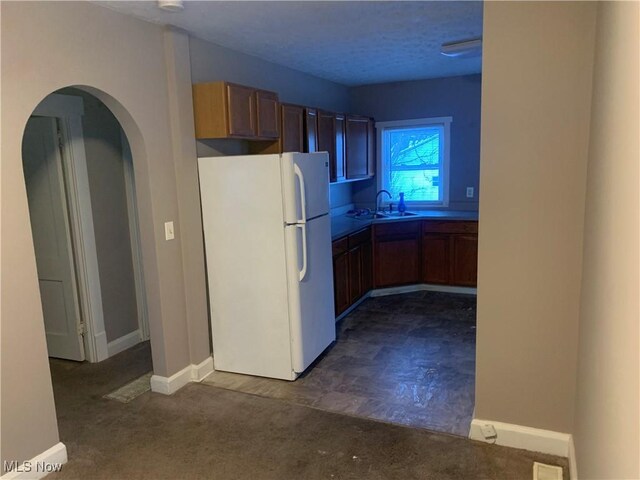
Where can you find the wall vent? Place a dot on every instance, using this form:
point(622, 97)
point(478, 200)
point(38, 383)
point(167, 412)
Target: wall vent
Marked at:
point(542, 471)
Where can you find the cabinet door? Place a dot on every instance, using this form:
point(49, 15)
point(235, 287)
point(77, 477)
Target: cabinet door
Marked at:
point(435, 258)
point(327, 139)
point(371, 148)
point(464, 264)
point(340, 126)
point(356, 147)
point(310, 130)
point(396, 254)
point(355, 274)
point(397, 262)
point(292, 128)
point(341, 282)
point(268, 114)
point(367, 267)
point(241, 111)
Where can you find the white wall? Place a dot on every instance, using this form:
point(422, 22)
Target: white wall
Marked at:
point(607, 421)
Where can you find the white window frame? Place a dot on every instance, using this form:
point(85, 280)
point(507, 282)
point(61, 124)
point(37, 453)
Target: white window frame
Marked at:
point(383, 167)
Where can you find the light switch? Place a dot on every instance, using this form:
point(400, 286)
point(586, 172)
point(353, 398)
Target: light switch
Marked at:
point(168, 231)
point(469, 192)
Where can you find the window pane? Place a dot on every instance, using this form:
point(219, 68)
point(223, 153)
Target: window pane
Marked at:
point(413, 162)
point(417, 185)
point(414, 147)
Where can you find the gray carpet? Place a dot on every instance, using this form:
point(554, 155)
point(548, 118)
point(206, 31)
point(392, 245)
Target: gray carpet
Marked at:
point(203, 432)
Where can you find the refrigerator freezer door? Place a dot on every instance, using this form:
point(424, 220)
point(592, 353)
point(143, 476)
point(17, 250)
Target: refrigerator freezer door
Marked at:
point(311, 310)
point(305, 186)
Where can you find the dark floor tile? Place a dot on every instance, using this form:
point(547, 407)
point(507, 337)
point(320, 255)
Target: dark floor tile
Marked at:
point(406, 359)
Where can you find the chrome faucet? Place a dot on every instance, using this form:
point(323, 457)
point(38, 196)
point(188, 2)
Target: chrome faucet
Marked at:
point(378, 199)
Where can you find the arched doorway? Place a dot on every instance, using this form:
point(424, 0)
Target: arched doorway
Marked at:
point(81, 190)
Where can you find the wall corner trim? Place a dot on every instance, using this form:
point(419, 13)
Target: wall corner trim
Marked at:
point(202, 370)
point(526, 438)
point(573, 461)
point(190, 373)
point(29, 469)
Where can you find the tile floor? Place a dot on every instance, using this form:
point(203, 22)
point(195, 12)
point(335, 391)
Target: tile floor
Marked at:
point(407, 359)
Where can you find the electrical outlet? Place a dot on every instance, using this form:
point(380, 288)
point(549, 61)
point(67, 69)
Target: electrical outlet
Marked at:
point(488, 431)
point(469, 192)
point(169, 234)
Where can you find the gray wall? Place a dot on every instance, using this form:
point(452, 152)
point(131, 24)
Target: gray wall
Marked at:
point(607, 405)
point(122, 61)
point(210, 62)
point(103, 149)
point(457, 97)
point(536, 97)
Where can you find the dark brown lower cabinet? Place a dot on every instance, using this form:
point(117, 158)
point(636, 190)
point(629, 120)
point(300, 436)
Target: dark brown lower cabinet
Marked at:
point(355, 274)
point(396, 254)
point(435, 258)
point(367, 267)
point(464, 262)
point(450, 252)
point(351, 268)
point(404, 253)
point(341, 282)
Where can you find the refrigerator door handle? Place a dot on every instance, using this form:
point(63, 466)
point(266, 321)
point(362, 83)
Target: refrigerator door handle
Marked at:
point(303, 200)
point(303, 272)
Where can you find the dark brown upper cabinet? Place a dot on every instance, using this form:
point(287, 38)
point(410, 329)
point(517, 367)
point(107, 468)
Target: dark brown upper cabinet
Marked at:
point(292, 139)
point(310, 130)
point(327, 139)
point(358, 146)
point(340, 166)
point(268, 114)
point(228, 110)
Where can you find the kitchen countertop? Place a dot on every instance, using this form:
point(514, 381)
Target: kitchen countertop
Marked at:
point(342, 225)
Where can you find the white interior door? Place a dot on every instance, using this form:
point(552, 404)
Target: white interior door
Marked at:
point(51, 237)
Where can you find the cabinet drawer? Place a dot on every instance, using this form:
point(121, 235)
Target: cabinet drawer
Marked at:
point(340, 246)
point(449, 226)
point(396, 228)
point(360, 237)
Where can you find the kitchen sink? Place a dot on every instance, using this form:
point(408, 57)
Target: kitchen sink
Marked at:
point(380, 215)
point(401, 214)
point(371, 216)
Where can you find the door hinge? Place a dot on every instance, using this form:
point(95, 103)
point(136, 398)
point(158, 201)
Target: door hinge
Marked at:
point(82, 328)
point(60, 138)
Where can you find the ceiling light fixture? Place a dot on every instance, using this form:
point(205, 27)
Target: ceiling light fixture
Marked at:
point(465, 48)
point(172, 6)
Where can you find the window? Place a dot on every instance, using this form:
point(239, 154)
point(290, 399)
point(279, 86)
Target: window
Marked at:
point(414, 160)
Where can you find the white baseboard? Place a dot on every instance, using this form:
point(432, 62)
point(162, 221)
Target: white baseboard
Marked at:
point(40, 465)
point(526, 438)
point(190, 373)
point(102, 347)
point(124, 342)
point(381, 292)
point(200, 371)
point(573, 462)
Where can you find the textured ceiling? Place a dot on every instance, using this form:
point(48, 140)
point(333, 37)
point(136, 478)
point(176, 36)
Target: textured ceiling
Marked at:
point(352, 43)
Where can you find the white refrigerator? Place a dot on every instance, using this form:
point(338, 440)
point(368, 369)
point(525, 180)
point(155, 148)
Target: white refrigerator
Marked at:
point(267, 235)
